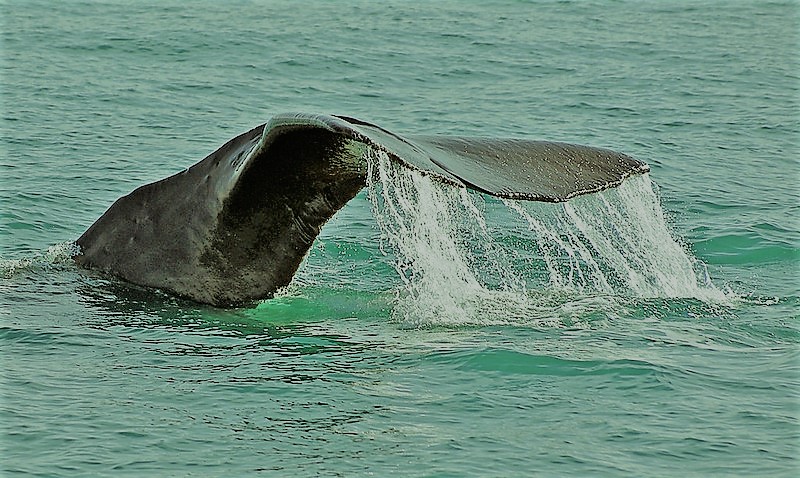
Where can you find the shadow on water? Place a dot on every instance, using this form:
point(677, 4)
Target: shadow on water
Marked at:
point(281, 366)
point(295, 322)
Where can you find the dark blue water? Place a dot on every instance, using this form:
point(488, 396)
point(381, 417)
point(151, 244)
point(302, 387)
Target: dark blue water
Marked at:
point(358, 369)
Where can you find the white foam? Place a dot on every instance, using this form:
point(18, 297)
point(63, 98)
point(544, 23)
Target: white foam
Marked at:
point(55, 255)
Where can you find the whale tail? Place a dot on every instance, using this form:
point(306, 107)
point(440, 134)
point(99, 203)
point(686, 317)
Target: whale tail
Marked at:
point(235, 226)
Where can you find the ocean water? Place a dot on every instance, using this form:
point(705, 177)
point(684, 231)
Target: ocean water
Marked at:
point(650, 330)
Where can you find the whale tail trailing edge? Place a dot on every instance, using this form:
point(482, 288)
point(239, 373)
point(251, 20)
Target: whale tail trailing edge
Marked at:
point(235, 227)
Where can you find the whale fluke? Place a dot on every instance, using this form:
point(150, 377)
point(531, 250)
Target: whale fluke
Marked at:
point(234, 227)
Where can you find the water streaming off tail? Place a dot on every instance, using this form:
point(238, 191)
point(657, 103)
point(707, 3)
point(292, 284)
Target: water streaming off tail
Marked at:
point(443, 250)
point(467, 258)
point(615, 242)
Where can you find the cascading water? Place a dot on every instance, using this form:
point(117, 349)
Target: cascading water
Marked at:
point(469, 259)
point(615, 242)
point(430, 228)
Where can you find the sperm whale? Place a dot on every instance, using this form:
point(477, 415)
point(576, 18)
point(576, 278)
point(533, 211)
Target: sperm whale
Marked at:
point(234, 227)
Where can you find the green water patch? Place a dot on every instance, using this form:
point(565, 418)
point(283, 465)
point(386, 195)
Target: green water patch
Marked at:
point(511, 362)
point(317, 303)
point(746, 248)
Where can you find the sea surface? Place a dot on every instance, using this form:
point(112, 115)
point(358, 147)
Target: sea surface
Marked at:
point(650, 330)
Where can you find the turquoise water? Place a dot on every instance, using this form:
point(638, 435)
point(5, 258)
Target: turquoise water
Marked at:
point(358, 369)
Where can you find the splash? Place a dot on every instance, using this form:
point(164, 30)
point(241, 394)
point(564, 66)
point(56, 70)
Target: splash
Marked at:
point(616, 242)
point(524, 261)
point(442, 246)
point(55, 256)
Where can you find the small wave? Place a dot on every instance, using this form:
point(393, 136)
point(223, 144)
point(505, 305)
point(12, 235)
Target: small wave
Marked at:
point(54, 256)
